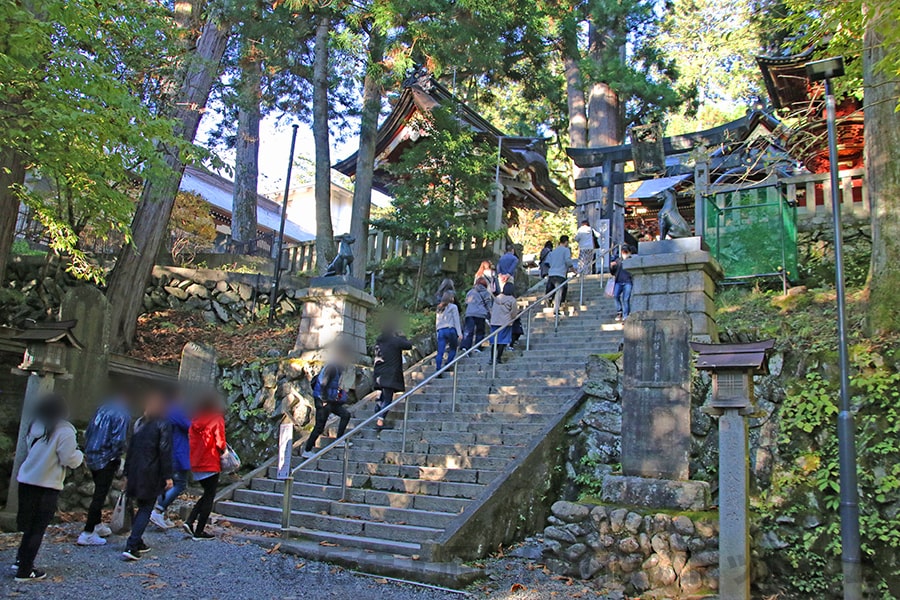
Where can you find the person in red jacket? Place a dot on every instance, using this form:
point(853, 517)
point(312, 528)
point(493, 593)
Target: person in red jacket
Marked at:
point(207, 441)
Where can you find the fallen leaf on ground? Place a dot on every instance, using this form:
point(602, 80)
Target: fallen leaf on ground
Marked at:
point(299, 565)
point(382, 581)
point(274, 548)
point(328, 544)
point(517, 587)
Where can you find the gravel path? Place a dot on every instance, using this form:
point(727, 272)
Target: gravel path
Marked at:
point(229, 567)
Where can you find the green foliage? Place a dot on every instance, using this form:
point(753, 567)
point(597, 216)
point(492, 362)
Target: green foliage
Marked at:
point(805, 487)
point(587, 480)
point(21, 248)
point(444, 183)
point(76, 79)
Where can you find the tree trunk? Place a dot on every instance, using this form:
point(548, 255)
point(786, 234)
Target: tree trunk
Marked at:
point(12, 173)
point(577, 107)
point(246, 165)
point(324, 231)
point(365, 162)
point(151, 218)
point(882, 152)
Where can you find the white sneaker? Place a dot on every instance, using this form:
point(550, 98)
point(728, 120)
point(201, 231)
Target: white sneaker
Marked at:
point(307, 454)
point(90, 539)
point(159, 519)
point(103, 530)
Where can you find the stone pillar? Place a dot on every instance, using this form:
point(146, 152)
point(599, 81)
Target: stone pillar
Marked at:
point(678, 275)
point(332, 312)
point(734, 494)
point(656, 416)
point(89, 365)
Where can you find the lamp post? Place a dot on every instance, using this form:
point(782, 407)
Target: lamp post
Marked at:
point(825, 70)
point(43, 363)
point(279, 243)
point(732, 367)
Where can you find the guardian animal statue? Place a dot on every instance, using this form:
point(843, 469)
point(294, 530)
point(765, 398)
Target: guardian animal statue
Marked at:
point(671, 223)
point(341, 263)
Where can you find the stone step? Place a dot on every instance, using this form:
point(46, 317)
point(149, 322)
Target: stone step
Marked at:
point(350, 510)
point(393, 532)
point(432, 447)
point(365, 496)
point(458, 475)
point(448, 489)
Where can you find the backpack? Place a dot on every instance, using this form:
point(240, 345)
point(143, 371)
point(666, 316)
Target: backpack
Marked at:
point(333, 393)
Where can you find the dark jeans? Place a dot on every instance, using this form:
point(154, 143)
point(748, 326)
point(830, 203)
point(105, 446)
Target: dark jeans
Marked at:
point(200, 513)
point(622, 294)
point(323, 411)
point(140, 521)
point(37, 505)
point(447, 340)
point(179, 484)
point(474, 332)
point(554, 281)
point(385, 399)
point(103, 479)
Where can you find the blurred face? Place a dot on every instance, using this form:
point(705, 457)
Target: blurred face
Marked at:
point(155, 405)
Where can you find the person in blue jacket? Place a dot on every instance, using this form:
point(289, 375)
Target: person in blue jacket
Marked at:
point(181, 463)
point(104, 446)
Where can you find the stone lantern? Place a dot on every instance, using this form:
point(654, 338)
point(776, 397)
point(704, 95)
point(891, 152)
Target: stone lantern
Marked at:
point(43, 363)
point(732, 367)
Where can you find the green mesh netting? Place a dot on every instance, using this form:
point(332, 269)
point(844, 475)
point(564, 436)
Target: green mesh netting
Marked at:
point(752, 233)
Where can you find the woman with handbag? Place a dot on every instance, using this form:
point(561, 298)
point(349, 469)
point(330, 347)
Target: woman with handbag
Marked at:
point(148, 468)
point(207, 445)
point(51, 449)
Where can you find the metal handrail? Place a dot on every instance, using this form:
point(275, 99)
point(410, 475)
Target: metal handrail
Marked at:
point(342, 442)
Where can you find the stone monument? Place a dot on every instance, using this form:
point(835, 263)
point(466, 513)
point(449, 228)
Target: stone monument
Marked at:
point(679, 275)
point(331, 310)
point(89, 365)
point(198, 369)
point(656, 416)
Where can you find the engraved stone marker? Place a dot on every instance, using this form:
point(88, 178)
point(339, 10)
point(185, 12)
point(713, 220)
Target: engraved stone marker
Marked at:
point(656, 403)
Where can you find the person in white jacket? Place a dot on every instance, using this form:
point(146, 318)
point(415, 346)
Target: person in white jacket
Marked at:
point(51, 449)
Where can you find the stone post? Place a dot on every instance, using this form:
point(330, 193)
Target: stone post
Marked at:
point(734, 495)
point(678, 275)
point(89, 366)
point(332, 312)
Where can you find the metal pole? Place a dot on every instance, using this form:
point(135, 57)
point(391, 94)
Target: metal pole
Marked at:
point(530, 322)
point(455, 379)
point(494, 357)
point(344, 471)
point(286, 506)
point(279, 243)
point(850, 538)
point(581, 291)
point(405, 419)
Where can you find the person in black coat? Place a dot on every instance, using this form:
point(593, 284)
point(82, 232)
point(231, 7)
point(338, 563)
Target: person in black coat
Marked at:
point(148, 468)
point(389, 378)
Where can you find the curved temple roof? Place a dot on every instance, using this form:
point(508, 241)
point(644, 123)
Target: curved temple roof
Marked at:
point(524, 170)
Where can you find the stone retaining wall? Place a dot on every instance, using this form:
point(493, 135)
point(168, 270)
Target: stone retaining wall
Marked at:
point(653, 554)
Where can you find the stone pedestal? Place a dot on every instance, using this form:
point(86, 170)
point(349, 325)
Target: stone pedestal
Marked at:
point(678, 275)
point(332, 312)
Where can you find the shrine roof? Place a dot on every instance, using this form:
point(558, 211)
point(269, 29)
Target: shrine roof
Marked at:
point(524, 158)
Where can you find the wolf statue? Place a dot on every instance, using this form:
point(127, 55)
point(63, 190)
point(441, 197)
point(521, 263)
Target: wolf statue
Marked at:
point(671, 223)
point(341, 263)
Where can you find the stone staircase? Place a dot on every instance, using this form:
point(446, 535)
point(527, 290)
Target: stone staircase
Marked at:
point(470, 479)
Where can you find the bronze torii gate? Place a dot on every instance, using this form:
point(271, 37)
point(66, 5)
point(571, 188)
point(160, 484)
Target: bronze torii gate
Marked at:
point(607, 201)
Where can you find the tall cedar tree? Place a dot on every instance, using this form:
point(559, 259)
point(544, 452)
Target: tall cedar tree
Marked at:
point(205, 36)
